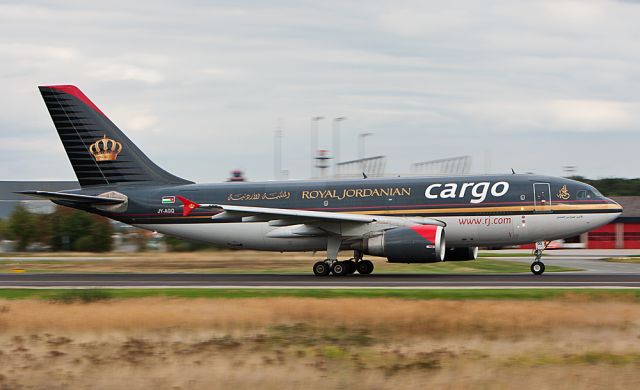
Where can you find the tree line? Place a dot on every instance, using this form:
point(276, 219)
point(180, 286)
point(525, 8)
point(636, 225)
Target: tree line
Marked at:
point(64, 229)
point(613, 186)
point(67, 229)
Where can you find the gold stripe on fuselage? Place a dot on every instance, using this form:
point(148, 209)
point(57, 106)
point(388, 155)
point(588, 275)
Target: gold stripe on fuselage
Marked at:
point(463, 210)
point(502, 209)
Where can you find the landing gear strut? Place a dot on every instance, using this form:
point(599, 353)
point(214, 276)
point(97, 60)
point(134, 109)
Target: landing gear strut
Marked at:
point(537, 267)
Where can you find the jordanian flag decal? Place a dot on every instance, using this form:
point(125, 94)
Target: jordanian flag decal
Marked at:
point(168, 199)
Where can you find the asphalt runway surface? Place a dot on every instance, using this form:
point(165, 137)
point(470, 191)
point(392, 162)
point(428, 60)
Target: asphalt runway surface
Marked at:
point(310, 281)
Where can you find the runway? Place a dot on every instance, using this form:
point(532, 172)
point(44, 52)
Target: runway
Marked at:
point(175, 280)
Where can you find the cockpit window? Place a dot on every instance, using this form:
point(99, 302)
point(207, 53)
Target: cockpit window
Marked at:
point(587, 194)
point(596, 193)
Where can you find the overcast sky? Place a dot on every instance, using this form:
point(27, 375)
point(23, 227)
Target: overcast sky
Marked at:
point(200, 85)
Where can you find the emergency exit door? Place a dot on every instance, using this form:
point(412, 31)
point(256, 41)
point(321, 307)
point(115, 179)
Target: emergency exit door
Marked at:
point(542, 197)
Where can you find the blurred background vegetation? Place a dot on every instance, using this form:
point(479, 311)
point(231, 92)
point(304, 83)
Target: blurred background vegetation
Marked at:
point(64, 229)
point(613, 186)
point(74, 230)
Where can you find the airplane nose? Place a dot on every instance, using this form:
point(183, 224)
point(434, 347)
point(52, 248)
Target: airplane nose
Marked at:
point(615, 206)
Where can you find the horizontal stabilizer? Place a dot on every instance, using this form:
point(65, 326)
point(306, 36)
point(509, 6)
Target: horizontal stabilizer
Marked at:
point(74, 198)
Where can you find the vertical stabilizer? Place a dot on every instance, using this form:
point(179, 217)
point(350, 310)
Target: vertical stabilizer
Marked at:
point(98, 151)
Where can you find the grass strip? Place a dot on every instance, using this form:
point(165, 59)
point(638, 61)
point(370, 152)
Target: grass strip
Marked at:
point(91, 295)
point(502, 254)
point(629, 260)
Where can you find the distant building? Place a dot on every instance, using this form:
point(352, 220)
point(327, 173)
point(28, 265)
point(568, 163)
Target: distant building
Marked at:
point(9, 199)
point(623, 233)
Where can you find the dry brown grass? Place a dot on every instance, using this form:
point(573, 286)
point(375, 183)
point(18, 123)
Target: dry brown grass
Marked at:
point(200, 261)
point(279, 343)
point(407, 317)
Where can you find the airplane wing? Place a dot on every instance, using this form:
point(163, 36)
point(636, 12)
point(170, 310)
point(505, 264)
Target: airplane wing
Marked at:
point(74, 198)
point(306, 222)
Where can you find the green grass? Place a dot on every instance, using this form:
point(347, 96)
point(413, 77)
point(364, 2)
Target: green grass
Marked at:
point(83, 295)
point(482, 265)
point(501, 254)
point(630, 260)
point(90, 295)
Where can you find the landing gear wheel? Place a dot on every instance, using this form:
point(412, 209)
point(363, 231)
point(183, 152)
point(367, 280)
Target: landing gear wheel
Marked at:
point(339, 268)
point(321, 268)
point(351, 266)
point(537, 268)
point(365, 267)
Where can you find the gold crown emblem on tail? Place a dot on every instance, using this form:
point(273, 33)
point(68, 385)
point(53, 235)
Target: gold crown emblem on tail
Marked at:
point(105, 149)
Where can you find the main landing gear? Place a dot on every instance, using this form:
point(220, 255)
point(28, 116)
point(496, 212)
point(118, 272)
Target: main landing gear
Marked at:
point(340, 268)
point(537, 267)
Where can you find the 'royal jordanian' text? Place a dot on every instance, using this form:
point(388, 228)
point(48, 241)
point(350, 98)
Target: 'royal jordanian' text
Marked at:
point(356, 193)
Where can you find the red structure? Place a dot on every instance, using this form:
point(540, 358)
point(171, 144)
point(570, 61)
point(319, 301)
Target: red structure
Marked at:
point(237, 176)
point(623, 233)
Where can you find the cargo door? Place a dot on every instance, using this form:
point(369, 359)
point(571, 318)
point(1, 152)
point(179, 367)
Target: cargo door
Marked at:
point(541, 197)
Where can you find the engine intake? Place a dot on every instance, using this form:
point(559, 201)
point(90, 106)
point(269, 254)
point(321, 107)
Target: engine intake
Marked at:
point(461, 254)
point(413, 244)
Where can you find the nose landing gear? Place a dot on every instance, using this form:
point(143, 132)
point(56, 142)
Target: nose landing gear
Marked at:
point(537, 267)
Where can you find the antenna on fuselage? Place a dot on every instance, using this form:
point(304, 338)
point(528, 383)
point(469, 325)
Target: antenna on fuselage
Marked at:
point(513, 172)
point(364, 175)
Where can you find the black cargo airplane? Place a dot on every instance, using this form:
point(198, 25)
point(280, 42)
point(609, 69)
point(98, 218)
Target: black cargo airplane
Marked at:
point(402, 219)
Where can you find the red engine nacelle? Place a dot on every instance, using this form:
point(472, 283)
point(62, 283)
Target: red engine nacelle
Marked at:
point(413, 244)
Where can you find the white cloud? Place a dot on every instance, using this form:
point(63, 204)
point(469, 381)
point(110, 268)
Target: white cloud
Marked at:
point(568, 115)
point(122, 72)
point(428, 78)
point(594, 115)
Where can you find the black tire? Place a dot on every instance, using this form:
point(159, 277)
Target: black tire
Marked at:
point(537, 268)
point(321, 268)
point(365, 267)
point(351, 266)
point(339, 268)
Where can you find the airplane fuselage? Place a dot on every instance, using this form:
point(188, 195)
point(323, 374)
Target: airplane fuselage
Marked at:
point(491, 210)
point(413, 219)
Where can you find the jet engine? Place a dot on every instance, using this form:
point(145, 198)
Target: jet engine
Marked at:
point(413, 244)
point(461, 254)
